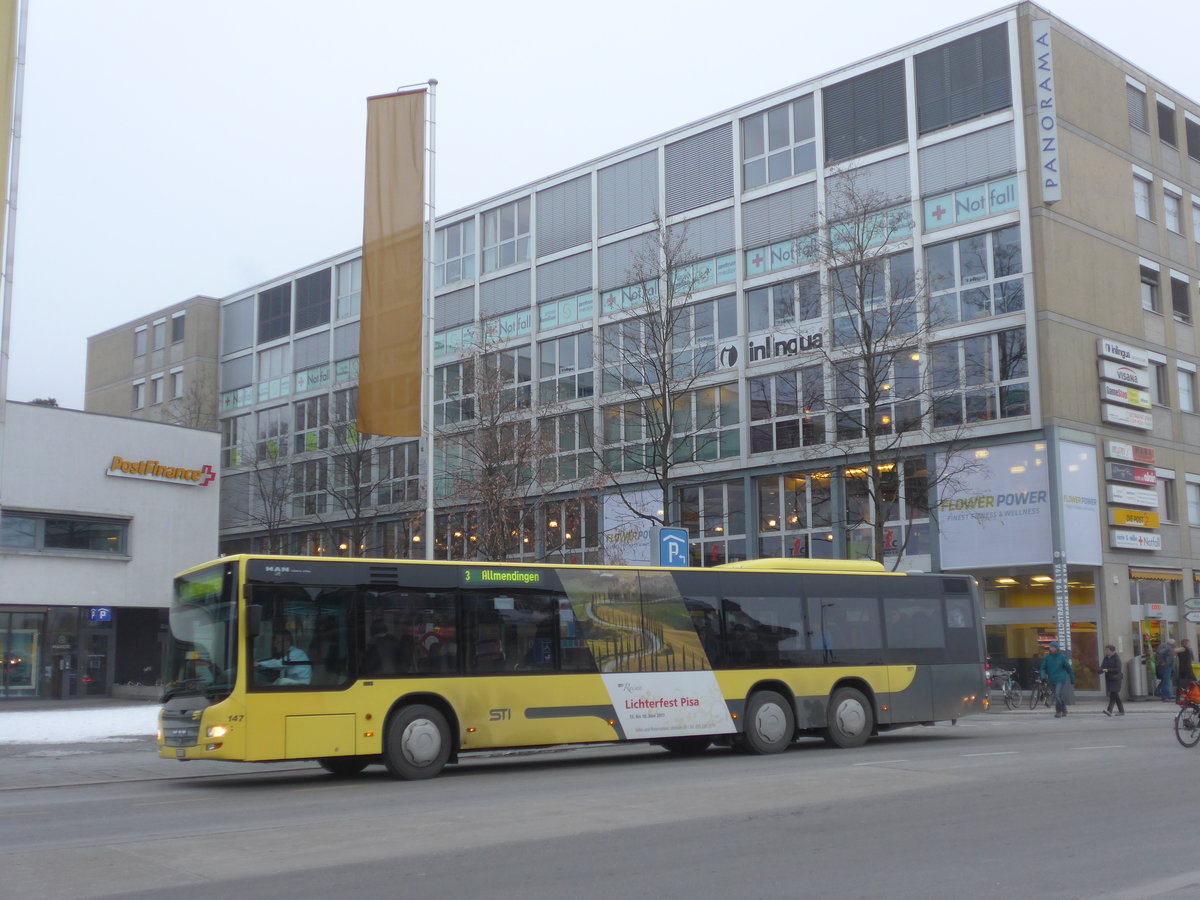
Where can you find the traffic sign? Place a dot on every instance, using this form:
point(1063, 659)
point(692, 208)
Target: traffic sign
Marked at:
point(672, 546)
point(1191, 603)
point(1193, 616)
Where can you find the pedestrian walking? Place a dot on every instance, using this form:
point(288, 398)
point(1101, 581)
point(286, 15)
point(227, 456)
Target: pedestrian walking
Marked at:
point(1057, 671)
point(1113, 677)
point(1164, 662)
point(1184, 675)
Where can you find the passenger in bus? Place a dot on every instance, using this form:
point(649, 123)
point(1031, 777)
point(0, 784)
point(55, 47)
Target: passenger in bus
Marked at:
point(289, 665)
point(443, 656)
point(388, 654)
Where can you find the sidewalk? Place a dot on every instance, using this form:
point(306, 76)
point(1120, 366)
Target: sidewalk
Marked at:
point(1085, 704)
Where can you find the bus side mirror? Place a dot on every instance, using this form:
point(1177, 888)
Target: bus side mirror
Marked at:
point(253, 619)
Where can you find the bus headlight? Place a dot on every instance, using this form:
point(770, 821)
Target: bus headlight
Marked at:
point(217, 731)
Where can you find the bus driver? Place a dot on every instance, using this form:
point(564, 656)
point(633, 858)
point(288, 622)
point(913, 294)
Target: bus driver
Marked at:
point(289, 665)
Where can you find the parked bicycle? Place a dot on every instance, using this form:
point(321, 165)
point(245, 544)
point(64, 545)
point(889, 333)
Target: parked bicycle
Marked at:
point(1187, 720)
point(1005, 681)
point(1041, 693)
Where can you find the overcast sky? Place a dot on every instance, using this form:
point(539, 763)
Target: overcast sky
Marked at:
point(178, 148)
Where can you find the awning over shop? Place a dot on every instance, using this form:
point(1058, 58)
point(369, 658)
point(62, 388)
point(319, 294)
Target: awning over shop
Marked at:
point(1155, 574)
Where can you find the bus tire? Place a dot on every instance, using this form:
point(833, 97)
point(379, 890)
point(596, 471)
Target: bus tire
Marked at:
point(850, 719)
point(770, 724)
point(693, 745)
point(417, 743)
point(344, 766)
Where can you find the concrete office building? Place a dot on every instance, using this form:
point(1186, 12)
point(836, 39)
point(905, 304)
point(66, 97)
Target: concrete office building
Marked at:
point(162, 368)
point(1049, 199)
point(97, 514)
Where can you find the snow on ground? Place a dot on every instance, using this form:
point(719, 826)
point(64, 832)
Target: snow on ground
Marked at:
point(65, 726)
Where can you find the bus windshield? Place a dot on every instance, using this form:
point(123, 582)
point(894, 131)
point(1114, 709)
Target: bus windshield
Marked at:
point(202, 650)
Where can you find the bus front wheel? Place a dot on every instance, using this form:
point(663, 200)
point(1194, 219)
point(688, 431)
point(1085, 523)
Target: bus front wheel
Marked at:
point(850, 719)
point(770, 724)
point(417, 743)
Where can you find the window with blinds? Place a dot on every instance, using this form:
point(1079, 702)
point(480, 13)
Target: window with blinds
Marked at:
point(865, 113)
point(963, 80)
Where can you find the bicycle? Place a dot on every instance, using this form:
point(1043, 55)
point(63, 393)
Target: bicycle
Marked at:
point(1005, 681)
point(1187, 720)
point(1012, 690)
point(1040, 693)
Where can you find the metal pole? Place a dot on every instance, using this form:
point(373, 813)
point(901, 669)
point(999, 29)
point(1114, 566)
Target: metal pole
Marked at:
point(10, 232)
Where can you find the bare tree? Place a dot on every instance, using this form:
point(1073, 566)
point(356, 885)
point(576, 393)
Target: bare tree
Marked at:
point(879, 402)
point(655, 363)
point(365, 478)
point(197, 408)
point(514, 483)
point(260, 494)
point(489, 449)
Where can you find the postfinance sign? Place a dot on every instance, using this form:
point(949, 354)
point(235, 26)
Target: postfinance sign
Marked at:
point(154, 470)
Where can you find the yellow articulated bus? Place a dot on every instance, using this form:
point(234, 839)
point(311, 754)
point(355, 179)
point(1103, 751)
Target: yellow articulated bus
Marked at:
point(350, 662)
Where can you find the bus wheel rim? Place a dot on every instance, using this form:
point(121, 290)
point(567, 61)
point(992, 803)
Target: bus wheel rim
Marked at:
point(851, 717)
point(421, 742)
point(769, 722)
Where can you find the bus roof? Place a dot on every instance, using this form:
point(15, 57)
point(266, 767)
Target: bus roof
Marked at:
point(768, 564)
point(839, 566)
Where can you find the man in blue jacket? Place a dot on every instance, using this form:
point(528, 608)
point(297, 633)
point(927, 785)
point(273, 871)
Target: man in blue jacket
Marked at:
point(1057, 672)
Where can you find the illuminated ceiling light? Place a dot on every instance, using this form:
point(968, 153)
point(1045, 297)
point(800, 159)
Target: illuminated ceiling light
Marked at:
point(1004, 579)
point(982, 454)
point(1041, 579)
point(915, 357)
point(886, 420)
point(553, 523)
point(793, 519)
point(1039, 446)
point(416, 539)
point(885, 386)
point(1017, 470)
point(567, 535)
point(771, 523)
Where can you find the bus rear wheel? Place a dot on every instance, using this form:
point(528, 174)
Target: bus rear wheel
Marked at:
point(770, 724)
point(850, 719)
point(417, 743)
point(343, 766)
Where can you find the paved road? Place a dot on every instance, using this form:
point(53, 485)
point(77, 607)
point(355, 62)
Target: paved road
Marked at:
point(1000, 806)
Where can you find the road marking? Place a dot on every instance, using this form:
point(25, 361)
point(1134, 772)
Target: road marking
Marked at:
point(1102, 747)
point(173, 802)
point(881, 762)
point(996, 753)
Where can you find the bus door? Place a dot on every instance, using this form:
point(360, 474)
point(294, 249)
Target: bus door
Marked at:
point(916, 641)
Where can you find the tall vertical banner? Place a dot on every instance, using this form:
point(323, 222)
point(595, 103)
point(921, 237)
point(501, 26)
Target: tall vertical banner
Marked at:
point(391, 324)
